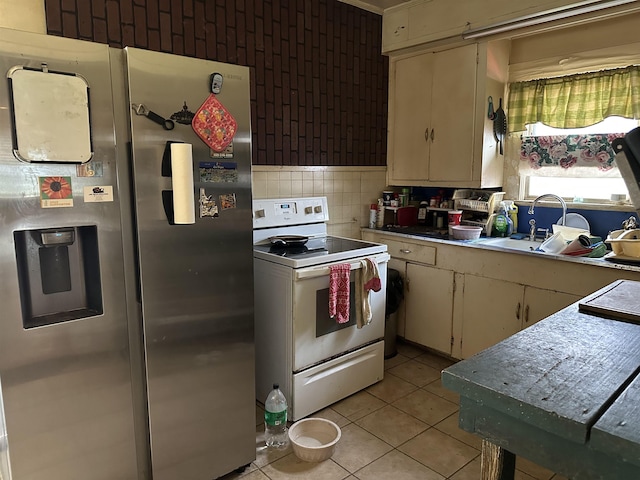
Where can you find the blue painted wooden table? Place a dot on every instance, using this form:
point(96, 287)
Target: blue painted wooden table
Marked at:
point(563, 393)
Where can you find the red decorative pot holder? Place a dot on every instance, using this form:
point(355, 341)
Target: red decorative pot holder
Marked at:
point(214, 124)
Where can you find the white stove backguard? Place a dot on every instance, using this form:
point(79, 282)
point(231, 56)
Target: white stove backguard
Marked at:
point(280, 212)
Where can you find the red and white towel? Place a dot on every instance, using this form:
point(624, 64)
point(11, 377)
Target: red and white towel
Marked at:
point(339, 287)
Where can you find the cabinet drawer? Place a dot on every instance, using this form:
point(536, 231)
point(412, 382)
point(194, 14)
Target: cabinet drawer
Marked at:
point(415, 252)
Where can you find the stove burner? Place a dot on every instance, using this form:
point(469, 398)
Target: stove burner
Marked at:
point(284, 250)
point(291, 250)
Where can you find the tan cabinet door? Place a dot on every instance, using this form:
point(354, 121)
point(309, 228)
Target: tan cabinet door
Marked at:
point(540, 303)
point(453, 115)
point(409, 118)
point(429, 307)
point(492, 311)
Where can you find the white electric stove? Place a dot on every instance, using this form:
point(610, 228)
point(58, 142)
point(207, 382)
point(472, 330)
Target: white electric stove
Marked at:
point(315, 360)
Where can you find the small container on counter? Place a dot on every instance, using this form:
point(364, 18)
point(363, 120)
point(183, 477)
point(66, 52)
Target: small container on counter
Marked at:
point(373, 215)
point(422, 212)
point(380, 216)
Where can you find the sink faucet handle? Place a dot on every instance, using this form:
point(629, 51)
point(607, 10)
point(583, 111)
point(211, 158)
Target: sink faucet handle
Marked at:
point(546, 232)
point(532, 230)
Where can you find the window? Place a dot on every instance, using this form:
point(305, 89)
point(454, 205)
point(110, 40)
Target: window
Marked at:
point(567, 159)
point(579, 183)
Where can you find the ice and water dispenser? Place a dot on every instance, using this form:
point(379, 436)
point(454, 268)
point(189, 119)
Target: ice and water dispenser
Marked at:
point(59, 274)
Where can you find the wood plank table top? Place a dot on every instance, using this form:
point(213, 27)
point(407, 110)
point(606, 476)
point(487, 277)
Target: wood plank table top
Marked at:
point(563, 393)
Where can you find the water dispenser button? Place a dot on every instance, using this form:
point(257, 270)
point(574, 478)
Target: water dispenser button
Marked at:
point(60, 237)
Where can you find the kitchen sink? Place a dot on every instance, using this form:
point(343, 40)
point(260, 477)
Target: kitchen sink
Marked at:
point(512, 244)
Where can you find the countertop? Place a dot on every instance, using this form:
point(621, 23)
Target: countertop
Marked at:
point(483, 244)
point(562, 393)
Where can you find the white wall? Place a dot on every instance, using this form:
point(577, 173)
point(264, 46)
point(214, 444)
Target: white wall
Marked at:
point(349, 191)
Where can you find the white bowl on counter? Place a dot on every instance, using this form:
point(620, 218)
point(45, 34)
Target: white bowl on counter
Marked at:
point(466, 232)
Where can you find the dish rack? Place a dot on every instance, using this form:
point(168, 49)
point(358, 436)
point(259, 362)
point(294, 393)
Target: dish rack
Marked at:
point(477, 206)
point(477, 200)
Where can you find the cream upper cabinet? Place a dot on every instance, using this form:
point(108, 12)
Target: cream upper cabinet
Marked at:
point(437, 117)
point(418, 22)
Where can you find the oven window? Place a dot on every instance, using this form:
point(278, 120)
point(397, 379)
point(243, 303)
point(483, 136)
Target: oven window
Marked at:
point(324, 323)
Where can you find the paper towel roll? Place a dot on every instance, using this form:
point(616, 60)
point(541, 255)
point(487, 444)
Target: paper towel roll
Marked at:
point(182, 183)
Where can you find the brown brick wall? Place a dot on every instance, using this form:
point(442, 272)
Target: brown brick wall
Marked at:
point(318, 80)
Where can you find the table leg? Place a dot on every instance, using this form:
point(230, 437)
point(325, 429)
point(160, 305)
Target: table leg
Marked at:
point(496, 462)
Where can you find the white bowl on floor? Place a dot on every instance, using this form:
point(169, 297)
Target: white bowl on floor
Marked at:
point(314, 439)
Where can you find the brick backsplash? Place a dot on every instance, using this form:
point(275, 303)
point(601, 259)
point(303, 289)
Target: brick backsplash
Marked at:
point(318, 81)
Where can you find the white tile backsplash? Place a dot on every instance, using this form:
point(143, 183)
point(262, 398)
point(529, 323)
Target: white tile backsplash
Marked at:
point(349, 191)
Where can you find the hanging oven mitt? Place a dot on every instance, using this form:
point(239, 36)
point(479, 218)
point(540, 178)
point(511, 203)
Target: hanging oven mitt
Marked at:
point(212, 122)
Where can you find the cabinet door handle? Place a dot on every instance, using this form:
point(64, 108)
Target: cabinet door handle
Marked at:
point(426, 134)
point(433, 130)
point(405, 251)
point(518, 311)
point(526, 314)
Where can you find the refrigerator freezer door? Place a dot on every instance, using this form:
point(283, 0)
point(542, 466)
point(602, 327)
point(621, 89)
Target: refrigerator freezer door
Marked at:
point(66, 387)
point(196, 280)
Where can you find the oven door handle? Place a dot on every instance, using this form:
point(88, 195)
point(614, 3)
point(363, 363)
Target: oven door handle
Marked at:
point(320, 271)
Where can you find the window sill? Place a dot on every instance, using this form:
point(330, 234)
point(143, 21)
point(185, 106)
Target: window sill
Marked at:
point(611, 207)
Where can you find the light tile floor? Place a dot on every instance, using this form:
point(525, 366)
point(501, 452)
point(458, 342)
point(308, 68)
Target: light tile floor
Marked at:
point(402, 428)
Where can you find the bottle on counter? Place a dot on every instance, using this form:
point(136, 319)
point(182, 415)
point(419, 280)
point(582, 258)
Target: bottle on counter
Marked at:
point(275, 418)
point(380, 217)
point(422, 212)
point(373, 215)
point(502, 224)
point(512, 211)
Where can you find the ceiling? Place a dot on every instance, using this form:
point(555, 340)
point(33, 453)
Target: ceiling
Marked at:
point(375, 6)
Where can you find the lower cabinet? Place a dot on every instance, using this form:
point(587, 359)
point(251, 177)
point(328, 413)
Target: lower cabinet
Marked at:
point(495, 309)
point(429, 306)
point(491, 311)
point(539, 303)
point(461, 300)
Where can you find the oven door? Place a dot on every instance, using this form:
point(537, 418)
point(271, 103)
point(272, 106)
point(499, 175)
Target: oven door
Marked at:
point(316, 336)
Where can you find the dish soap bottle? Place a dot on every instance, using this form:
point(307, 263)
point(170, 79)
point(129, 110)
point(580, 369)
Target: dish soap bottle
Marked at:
point(502, 224)
point(512, 212)
point(275, 418)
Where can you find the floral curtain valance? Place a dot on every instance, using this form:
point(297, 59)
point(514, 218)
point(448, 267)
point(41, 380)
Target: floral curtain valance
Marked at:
point(575, 101)
point(568, 151)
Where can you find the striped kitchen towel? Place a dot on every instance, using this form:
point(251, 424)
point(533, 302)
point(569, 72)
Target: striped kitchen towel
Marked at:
point(339, 286)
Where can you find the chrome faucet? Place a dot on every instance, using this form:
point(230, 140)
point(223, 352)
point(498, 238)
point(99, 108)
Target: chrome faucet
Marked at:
point(560, 199)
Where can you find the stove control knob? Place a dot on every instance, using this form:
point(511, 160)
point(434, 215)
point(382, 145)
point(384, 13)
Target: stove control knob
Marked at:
point(308, 210)
point(260, 213)
point(317, 209)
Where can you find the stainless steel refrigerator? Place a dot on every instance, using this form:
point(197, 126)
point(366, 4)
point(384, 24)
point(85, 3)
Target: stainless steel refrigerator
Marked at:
point(126, 332)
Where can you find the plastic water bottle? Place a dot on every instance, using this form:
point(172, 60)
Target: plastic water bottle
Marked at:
point(275, 418)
